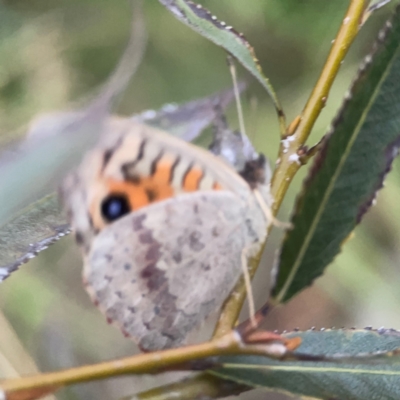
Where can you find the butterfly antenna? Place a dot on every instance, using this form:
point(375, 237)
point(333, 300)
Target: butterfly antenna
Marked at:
point(253, 117)
point(232, 69)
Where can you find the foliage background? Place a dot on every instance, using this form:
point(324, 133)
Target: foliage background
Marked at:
point(53, 54)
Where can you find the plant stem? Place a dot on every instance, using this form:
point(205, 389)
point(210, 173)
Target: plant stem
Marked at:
point(146, 363)
point(288, 165)
point(288, 161)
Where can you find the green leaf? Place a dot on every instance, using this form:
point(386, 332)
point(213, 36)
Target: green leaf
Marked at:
point(349, 169)
point(203, 22)
point(29, 233)
point(350, 378)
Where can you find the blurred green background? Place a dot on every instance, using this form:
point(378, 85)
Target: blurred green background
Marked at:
point(53, 53)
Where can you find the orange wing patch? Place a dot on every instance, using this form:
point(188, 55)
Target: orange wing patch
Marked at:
point(163, 171)
point(191, 181)
point(143, 192)
point(163, 181)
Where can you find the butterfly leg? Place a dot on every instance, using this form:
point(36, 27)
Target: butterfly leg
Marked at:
point(268, 212)
point(249, 289)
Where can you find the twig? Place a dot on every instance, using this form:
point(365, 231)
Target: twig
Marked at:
point(149, 363)
point(288, 166)
point(288, 154)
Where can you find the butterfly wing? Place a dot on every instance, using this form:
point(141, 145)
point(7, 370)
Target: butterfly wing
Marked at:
point(158, 272)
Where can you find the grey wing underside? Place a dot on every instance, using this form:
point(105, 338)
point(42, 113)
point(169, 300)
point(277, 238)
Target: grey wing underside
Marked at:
point(158, 272)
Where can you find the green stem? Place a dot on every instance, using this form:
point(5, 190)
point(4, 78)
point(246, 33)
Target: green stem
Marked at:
point(288, 166)
point(141, 364)
point(147, 363)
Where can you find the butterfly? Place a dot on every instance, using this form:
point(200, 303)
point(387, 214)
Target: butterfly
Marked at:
point(164, 227)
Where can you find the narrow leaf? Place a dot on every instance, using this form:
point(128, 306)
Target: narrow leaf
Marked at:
point(348, 171)
point(203, 22)
point(29, 233)
point(360, 378)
